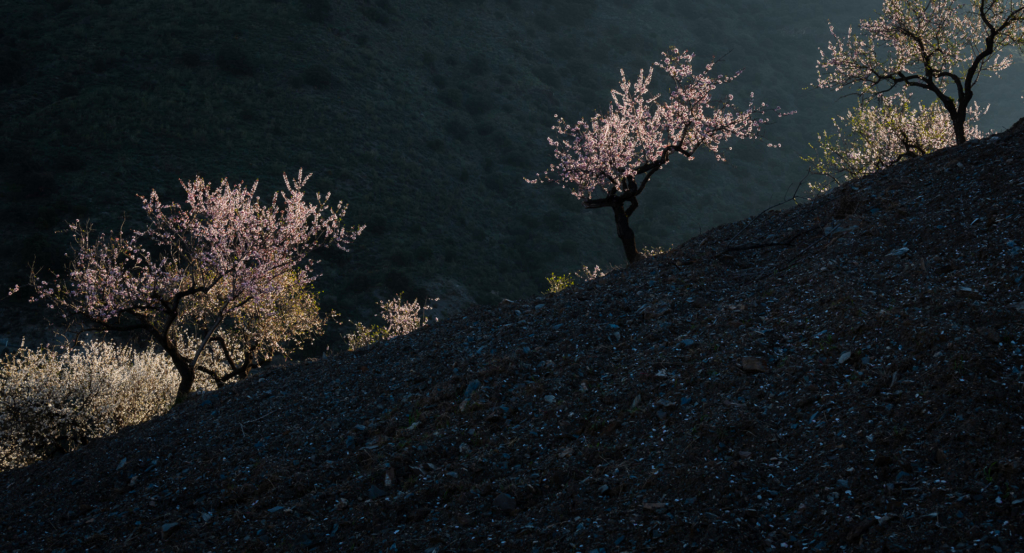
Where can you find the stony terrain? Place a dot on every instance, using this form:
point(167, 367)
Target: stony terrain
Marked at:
point(844, 375)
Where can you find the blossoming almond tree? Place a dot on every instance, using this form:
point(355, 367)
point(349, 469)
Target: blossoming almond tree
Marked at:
point(872, 137)
point(618, 152)
point(942, 46)
point(221, 283)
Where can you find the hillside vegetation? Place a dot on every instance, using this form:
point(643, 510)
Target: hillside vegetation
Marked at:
point(844, 375)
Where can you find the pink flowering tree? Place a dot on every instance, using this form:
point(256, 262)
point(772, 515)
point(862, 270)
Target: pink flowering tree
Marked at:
point(941, 46)
point(609, 160)
point(221, 283)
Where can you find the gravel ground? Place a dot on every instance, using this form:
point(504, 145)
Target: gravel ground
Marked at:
point(845, 375)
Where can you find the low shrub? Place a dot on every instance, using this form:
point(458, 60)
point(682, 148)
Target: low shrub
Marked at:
point(53, 400)
point(400, 318)
point(557, 283)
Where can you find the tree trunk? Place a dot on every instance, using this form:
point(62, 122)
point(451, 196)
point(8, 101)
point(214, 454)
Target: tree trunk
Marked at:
point(625, 233)
point(188, 378)
point(958, 130)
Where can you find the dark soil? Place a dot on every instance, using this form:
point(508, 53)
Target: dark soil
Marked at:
point(844, 375)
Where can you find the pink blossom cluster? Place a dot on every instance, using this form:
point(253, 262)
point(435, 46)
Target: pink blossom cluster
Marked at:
point(639, 133)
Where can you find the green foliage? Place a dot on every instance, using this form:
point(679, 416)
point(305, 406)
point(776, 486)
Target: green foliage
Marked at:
point(557, 283)
point(365, 336)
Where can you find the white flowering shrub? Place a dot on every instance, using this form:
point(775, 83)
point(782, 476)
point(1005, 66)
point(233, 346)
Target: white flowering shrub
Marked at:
point(52, 400)
point(872, 137)
point(400, 318)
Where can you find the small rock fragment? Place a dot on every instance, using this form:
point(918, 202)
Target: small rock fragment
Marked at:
point(549, 398)
point(376, 493)
point(464, 448)
point(844, 357)
point(753, 365)
point(122, 463)
point(169, 527)
point(471, 387)
point(504, 502)
point(636, 402)
point(989, 334)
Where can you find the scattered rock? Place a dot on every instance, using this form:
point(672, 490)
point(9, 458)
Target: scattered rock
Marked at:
point(168, 528)
point(753, 365)
point(989, 334)
point(504, 502)
point(376, 493)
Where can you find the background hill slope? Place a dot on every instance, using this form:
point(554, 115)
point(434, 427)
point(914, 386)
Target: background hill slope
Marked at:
point(424, 115)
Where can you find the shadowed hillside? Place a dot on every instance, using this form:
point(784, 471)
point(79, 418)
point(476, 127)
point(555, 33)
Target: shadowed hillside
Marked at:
point(844, 375)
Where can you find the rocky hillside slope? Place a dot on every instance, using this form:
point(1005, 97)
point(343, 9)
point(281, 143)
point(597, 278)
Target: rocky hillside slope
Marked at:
point(844, 375)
